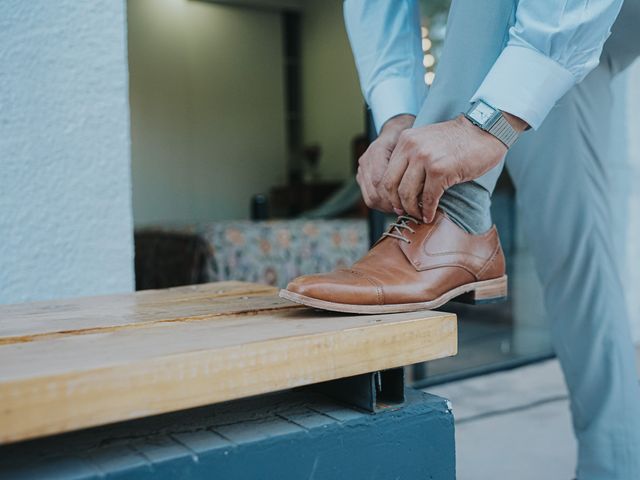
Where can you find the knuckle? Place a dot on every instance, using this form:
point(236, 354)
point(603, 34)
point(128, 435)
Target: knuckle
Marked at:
point(425, 156)
point(405, 138)
point(410, 142)
point(433, 172)
point(436, 169)
point(374, 149)
point(448, 182)
point(441, 168)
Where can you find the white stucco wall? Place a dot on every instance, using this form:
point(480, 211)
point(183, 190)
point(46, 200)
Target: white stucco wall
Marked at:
point(65, 201)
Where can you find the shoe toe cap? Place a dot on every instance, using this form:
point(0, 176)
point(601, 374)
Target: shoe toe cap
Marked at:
point(339, 287)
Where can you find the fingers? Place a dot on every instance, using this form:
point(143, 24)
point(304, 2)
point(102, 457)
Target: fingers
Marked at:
point(377, 193)
point(372, 166)
point(370, 192)
point(393, 176)
point(363, 188)
point(376, 173)
point(411, 189)
point(433, 190)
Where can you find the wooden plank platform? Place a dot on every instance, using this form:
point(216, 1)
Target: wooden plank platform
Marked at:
point(71, 364)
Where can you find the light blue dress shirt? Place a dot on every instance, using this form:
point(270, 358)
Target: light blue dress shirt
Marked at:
point(552, 46)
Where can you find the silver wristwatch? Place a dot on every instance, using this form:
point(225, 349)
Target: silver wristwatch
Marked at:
point(492, 120)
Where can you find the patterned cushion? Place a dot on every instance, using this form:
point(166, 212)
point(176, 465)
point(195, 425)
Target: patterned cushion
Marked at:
point(271, 252)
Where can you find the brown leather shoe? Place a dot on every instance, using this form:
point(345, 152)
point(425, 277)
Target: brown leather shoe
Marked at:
point(414, 266)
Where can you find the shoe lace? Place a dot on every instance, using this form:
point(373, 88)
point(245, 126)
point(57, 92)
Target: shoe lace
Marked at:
point(396, 229)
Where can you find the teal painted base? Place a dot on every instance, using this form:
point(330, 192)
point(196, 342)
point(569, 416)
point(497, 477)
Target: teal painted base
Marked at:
point(290, 435)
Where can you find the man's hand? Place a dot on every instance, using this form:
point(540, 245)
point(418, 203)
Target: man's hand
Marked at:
point(428, 160)
point(373, 163)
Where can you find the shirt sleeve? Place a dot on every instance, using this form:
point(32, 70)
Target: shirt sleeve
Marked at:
point(551, 47)
point(386, 43)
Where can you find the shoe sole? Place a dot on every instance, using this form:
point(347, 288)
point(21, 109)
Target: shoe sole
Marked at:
point(485, 291)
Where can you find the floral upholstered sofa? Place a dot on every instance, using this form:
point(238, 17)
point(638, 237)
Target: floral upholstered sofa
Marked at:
point(271, 252)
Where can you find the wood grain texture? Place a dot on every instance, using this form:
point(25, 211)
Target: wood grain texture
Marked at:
point(72, 364)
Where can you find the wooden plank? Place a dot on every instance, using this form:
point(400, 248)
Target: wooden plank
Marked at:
point(152, 357)
point(25, 322)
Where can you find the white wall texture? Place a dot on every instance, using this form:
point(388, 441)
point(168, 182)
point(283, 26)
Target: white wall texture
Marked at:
point(65, 201)
point(207, 109)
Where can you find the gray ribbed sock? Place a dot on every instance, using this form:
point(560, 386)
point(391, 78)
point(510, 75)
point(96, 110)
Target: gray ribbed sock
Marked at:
point(468, 206)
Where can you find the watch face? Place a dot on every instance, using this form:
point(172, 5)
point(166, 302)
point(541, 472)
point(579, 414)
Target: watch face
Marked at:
point(482, 113)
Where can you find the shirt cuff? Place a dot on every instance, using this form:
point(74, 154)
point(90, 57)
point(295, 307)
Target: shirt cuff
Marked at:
point(525, 83)
point(392, 97)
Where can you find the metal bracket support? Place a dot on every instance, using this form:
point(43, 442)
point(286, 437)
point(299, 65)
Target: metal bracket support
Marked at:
point(373, 391)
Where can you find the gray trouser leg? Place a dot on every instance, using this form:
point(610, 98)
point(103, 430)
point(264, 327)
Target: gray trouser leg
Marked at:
point(476, 34)
point(560, 174)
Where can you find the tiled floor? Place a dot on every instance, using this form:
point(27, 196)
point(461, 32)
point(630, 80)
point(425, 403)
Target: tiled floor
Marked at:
point(497, 334)
point(513, 425)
